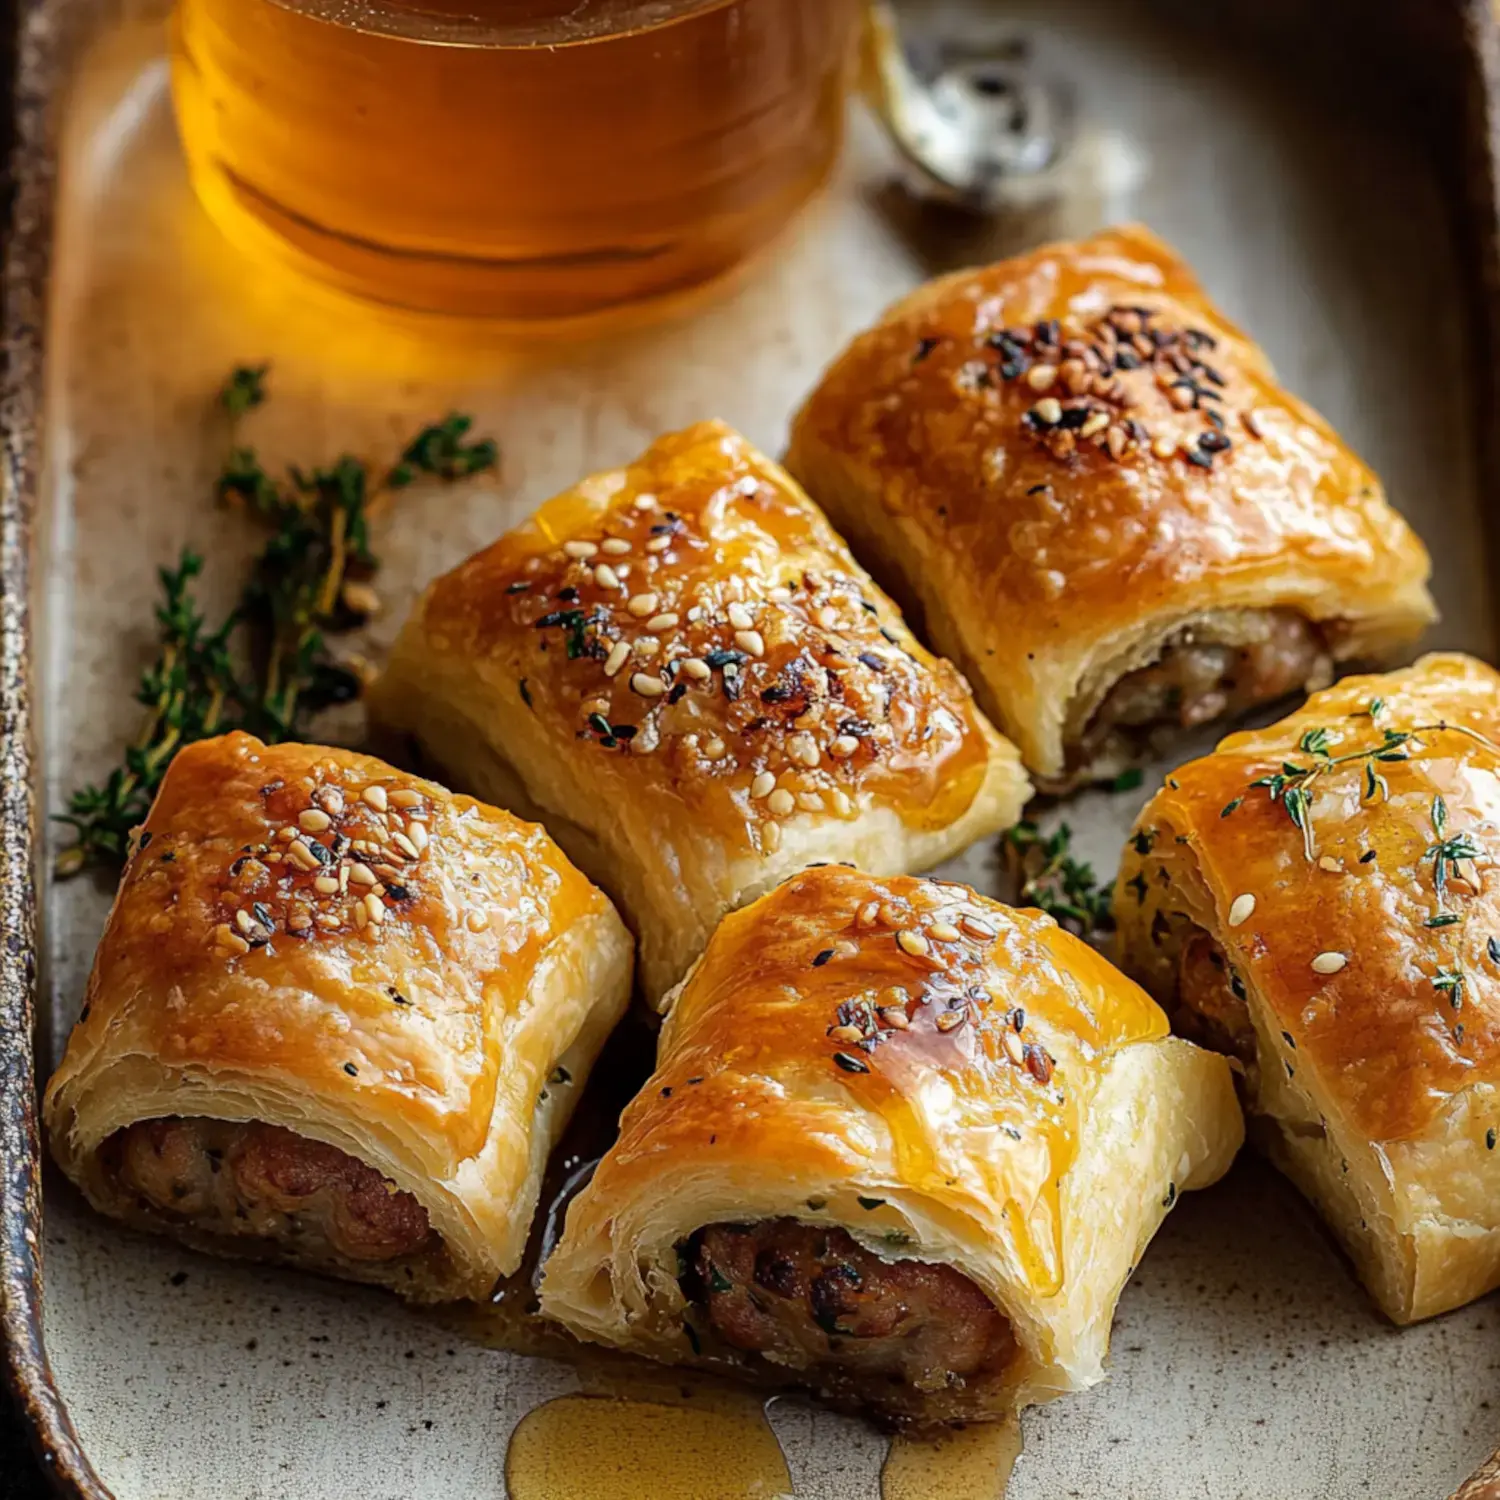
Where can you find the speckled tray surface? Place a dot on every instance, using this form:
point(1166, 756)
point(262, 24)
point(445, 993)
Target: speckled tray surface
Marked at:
point(1351, 228)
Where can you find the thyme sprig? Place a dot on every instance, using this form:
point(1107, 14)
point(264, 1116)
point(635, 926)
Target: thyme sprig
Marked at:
point(1293, 784)
point(1049, 877)
point(266, 667)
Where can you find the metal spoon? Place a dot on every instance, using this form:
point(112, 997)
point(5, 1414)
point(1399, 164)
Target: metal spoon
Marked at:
point(976, 134)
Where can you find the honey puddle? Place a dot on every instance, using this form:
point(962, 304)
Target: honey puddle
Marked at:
point(970, 1463)
point(714, 1447)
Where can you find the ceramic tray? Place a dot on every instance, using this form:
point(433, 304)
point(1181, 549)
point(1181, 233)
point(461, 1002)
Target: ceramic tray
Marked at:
point(1329, 174)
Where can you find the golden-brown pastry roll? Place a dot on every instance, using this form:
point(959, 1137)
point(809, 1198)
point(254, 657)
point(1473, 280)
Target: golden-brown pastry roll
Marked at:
point(1318, 900)
point(679, 668)
point(903, 1146)
point(1090, 491)
point(338, 1018)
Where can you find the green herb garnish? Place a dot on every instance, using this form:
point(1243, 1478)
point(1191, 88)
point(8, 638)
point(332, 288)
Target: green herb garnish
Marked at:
point(1050, 878)
point(266, 667)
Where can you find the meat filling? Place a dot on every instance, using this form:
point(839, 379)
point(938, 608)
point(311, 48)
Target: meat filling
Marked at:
point(260, 1181)
point(805, 1296)
point(1197, 679)
point(1211, 1004)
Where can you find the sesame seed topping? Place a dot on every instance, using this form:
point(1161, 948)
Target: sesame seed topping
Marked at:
point(416, 831)
point(375, 908)
point(895, 1017)
point(1041, 377)
point(1241, 909)
point(845, 1034)
point(715, 749)
point(803, 749)
point(361, 874)
point(619, 654)
point(943, 932)
point(1329, 963)
point(1048, 410)
point(698, 670)
point(1329, 863)
point(606, 577)
point(374, 796)
point(912, 942)
point(1015, 1049)
point(476, 920)
point(405, 797)
point(951, 1020)
point(406, 845)
point(302, 855)
point(770, 836)
point(763, 785)
point(661, 622)
point(643, 605)
point(977, 929)
point(314, 820)
point(326, 885)
point(580, 550)
point(740, 617)
point(658, 544)
point(614, 546)
point(647, 685)
point(645, 501)
point(843, 746)
point(781, 802)
point(750, 642)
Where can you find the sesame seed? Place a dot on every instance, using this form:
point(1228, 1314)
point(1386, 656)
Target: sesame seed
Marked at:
point(405, 797)
point(740, 617)
point(1014, 1049)
point(696, 668)
point(845, 1034)
point(615, 546)
point(895, 1018)
point(1242, 908)
point(843, 746)
point(374, 796)
point(770, 836)
point(1049, 410)
point(1164, 447)
point(1041, 377)
point(714, 749)
point(810, 801)
point(619, 654)
point(228, 938)
point(645, 501)
point(1329, 963)
point(1095, 425)
point(869, 914)
point(841, 803)
point(375, 907)
point(647, 646)
point(405, 845)
point(330, 799)
point(951, 1020)
point(977, 929)
point(642, 605)
point(313, 820)
point(303, 856)
point(827, 617)
point(326, 921)
point(361, 916)
point(299, 921)
point(912, 942)
point(661, 622)
point(243, 921)
point(343, 877)
point(779, 594)
point(580, 550)
point(606, 577)
point(326, 885)
point(943, 932)
point(1329, 863)
point(763, 785)
point(803, 749)
point(476, 920)
point(647, 685)
point(781, 802)
point(416, 831)
point(658, 544)
point(361, 874)
point(750, 642)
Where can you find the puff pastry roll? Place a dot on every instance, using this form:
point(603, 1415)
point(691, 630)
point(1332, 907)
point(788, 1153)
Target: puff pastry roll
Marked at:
point(1089, 491)
point(1319, 900)
point(903, 1145)
point(337, 1019)
point(679, 668)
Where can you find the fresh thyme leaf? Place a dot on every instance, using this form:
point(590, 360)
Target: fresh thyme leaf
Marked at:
point(441, 450)
point(1439, 815)
point(1128, 781)
point(1451, 983)
point(244, 390)
point(1315, 742)
point(1376, 705)
point(1049, 877)
point(317, 547)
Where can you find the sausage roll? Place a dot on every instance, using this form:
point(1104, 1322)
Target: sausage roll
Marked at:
point(337, 1019)
point(903, 1146)
point(1319, 901)
point(1088, 488)
point(679, 668)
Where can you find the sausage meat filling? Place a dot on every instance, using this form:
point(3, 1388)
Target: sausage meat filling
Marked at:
point(1198, 678)
point(804, 1296)
point(259, 1181)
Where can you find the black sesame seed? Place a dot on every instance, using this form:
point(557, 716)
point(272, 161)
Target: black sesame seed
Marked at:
point(516, 588)
point(351, 1070)
point(873, 662)
point(677, 693)
point(925, 346)
point(822, 958)
point(320, 852)
point(262, 914)
point(1367, 856)
point(398, 892)
point(870, 1203)
point(850, 1064)
point(1489, 1139)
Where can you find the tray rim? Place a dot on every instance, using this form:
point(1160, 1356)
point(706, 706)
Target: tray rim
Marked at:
point(35, 45)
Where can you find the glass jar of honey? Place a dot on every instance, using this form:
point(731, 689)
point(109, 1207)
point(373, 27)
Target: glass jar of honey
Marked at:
point(522, 160)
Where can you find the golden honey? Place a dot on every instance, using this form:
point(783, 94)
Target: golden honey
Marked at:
point(520, 160)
